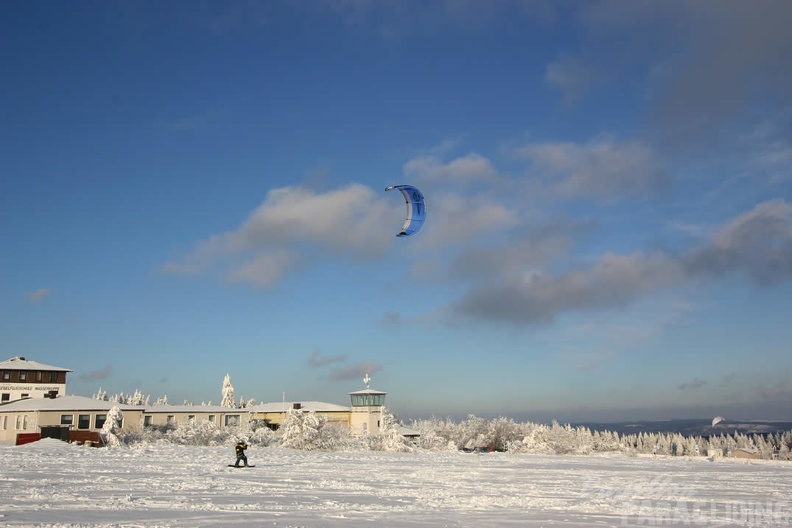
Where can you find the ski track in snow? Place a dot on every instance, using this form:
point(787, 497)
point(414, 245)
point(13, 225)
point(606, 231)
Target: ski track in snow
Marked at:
point(54, 484)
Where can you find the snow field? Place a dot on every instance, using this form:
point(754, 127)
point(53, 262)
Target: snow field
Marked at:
point(50, 483)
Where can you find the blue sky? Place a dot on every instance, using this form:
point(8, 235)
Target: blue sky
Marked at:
point(189, 189)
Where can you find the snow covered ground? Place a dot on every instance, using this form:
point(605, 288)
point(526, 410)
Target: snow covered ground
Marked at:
point(51, 483)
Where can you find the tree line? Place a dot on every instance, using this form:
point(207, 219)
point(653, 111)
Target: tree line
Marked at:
point(310, 431)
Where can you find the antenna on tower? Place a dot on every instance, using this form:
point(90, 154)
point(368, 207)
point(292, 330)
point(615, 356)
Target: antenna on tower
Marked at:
point(367, 380)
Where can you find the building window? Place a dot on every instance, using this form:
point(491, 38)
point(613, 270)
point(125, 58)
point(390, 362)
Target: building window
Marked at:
point(23, 376)
point(232, 419)
point(38, 375)
point(67, 419)
point(53, 377)
point(171, 419)
point(21, 422)
point(147, 421)
point(84, 421)
point(6, 375)
point(211, 418)
point(190, 417)
point(25, 395)
point(5, 423)
point(5, 397)
point(100, 420)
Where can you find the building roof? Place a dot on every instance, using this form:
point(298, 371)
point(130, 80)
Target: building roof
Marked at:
point(64, 403)
point(367, 391)
point(192, 409)
point(315, 406)
point(20, 363)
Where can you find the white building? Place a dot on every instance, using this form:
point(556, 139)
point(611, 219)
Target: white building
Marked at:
point(34, 403)
point(365, 416)
point(61, 417)
point(20, 378)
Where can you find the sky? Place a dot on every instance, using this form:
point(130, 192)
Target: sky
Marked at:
point(195, 189)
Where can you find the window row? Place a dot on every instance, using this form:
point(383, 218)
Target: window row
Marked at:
point(31, 375)
point(84, 420)
point(20, 423)
point(170, 419)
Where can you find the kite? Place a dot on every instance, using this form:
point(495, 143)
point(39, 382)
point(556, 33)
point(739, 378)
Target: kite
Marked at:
point(416, 210)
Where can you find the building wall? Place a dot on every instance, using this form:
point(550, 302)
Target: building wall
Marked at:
point(12, 423)
point(18, 384)
point(365, 420)
point(277, 418)
point(162, 418)
point(361, 420)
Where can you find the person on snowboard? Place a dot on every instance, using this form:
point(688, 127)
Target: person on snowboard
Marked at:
point(240, 453)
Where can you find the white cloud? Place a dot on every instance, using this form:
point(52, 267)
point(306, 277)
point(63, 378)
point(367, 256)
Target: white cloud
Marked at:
point(346, 222)
point(456, 218)
point(757, 243)
point(602, 167)
point(467, 169)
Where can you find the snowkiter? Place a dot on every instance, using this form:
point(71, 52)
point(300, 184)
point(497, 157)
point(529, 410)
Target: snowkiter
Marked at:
point(240, 453)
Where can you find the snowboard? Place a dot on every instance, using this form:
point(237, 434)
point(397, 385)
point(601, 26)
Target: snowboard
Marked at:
point(240, 467)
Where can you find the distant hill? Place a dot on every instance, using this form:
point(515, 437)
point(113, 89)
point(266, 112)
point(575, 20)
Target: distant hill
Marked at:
point(691, 427)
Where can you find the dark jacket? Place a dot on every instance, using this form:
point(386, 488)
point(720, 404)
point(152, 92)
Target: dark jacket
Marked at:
point(240, 449)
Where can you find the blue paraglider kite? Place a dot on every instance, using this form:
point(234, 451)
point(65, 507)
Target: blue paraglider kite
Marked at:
point(416, 210)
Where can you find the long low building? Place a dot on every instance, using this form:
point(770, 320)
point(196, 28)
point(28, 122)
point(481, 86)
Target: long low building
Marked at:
point(33, 403)
point(48, 416)
point(53, 417)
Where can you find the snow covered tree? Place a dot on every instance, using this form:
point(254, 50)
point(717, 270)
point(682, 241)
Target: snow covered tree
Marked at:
point(204, 433)
point(228, 393)
point(390, 437)
point(101, 395)
point(308, 431)
point(138, 399)
point(112, 426)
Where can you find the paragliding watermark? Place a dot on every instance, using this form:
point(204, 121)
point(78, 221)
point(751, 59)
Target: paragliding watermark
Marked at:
point(660, 501)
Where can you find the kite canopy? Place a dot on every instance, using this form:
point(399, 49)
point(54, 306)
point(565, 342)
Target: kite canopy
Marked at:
point(416, 210)
point(717, 420)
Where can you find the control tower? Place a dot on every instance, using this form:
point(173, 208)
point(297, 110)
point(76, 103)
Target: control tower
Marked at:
point(366, 412)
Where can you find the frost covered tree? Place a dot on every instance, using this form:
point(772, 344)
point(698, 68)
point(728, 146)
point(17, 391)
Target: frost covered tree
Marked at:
point(308, 431)
point(228, 393)
point(112, 426)
point(204, 433)
point(101, 395)
point(137, 398)
point(390, 437)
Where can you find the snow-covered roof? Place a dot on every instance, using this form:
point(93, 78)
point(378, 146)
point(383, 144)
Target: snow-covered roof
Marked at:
point(20, 363)
point(407, 431)
point(367, 391)
point(64, 403)
point(309, 406)
point(192, 409)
